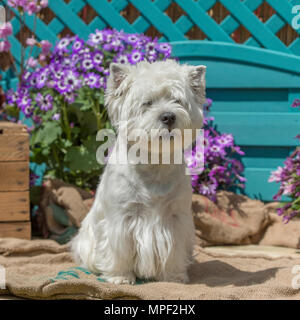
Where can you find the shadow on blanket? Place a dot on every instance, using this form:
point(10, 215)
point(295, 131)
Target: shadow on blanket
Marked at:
point(217, 273)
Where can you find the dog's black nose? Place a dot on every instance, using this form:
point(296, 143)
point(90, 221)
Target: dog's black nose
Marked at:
point(168, 118)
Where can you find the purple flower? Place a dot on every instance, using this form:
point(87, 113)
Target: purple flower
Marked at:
point(5, 46)
point(78, 45)
point(225, 140)
point(135, 57)
point(97, 58)
point(32, 63)
point(164, 48)
point(44, 102)
point(92, 80)
point(46, 47)
point(41, 79)
point(132, 39)
point(56, 117)
point(6, 30)
point(87, 64)
point(122, 59)
point(31, 41)
point(96, 38)
point(62, 45)
point(71, 80)
point(296, 103)
point(69, 97)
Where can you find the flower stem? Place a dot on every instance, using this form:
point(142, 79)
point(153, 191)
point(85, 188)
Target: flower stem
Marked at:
point(66, 121)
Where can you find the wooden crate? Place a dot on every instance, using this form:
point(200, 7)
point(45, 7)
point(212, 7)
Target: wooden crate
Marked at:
point(14, 181)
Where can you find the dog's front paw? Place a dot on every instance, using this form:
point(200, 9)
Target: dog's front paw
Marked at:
point(126, 279)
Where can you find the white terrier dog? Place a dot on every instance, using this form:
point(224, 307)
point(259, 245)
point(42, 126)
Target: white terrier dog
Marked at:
point(141, 223)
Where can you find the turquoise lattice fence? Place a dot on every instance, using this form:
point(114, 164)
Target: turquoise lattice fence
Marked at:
point(252, 84)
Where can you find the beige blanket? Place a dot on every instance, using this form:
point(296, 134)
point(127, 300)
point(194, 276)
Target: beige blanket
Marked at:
point(43, 269)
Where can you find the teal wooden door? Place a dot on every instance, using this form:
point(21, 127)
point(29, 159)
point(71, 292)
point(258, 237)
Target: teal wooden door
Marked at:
point(252, 84)
point(252, 90)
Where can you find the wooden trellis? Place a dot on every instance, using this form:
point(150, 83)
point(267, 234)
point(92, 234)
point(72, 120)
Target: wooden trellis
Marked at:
point(251, 50)
point(67, 15)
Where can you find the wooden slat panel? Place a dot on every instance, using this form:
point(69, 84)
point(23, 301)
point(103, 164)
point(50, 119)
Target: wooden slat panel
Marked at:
point(233, 54)
point(14, 206)
point(21, 230)
point(14, 176)
point(14, 147)
point(265, 157)
point(260, 128)
point(257, 185)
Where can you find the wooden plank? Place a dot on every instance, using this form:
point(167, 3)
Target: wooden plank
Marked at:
point(14, 176)
point(265, 157)
point(14, 147)
point(257, 185)
point(238, 53)
point(260, 128)
point(14, 206)
point(21, 230)
point(12, 128)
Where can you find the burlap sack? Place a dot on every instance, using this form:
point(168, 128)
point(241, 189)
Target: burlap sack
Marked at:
point(62, 208)
point(43, 269)
point(237, 219)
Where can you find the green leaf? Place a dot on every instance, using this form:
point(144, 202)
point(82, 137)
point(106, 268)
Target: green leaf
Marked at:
point(48, 134)
point(83, 158)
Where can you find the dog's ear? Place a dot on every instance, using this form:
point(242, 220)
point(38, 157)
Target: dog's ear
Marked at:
point(197, 77)
point(197, 81)
point(118, 72)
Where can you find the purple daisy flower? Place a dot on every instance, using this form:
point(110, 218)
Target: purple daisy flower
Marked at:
point(62, 45)
point(44, 102)
point(78, 45)
point(122, 59)
point(92, 80)
point(164, 48)
point(60, 86)
point(225, 140)
point(97, 58)
point(71, 80)
point(96, 38)
point(69, 96)
point(135, 57)
point(23, 101)
point(42, 79)
point(87, 64)
point(132, 39)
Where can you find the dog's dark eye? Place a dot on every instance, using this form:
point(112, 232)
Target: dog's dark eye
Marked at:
point(178, 102)
point(147, 103)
